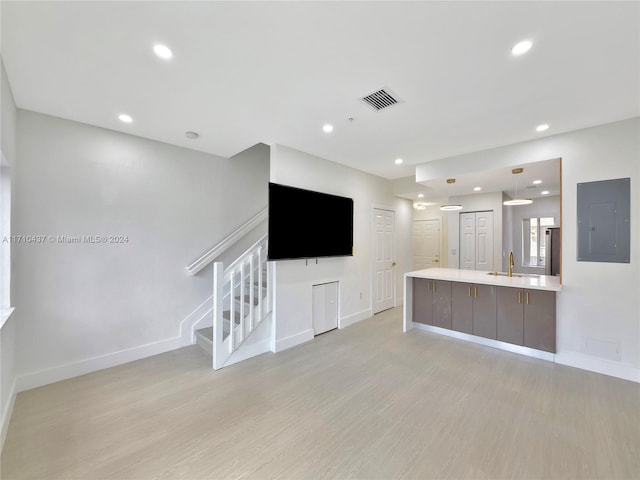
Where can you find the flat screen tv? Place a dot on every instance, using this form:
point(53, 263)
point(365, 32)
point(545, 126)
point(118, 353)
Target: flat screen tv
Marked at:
point(308, 224)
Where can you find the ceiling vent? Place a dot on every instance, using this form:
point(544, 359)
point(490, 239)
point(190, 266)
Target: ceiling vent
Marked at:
point(381, 99)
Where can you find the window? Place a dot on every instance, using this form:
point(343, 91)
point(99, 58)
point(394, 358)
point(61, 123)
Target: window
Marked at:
point(533, 240)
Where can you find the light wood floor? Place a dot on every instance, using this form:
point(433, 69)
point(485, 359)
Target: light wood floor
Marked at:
point(366, 402)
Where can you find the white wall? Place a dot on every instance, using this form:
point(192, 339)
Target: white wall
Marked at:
point(294, 278)
point(8, 335)
point(599, 302)
point(476, 202)
point(88, 306)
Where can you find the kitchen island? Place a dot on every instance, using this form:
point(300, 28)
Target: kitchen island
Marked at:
point(516, 313)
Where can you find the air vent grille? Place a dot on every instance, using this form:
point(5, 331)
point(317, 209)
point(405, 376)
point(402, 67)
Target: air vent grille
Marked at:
point(380, 99)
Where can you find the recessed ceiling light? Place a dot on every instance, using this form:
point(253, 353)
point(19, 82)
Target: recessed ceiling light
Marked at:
point(537, 182)
point(521, 47)
point(191, 135)
point(123, 117)
point(398, 161)
point(162, 51)
point(327, 128)
point(545, 192)
point(477, 189)
point(542, 128)
point(420, 195)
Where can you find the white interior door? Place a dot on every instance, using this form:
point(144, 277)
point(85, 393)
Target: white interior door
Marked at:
point(484, 241)
point(383, 259)
point(426, 244)
point(476, 241)
point(468, 241)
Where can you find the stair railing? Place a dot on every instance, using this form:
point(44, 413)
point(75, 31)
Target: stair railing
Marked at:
point(241, 300)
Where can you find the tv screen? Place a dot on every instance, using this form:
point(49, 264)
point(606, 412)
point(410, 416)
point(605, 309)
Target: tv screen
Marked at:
point(308, 224)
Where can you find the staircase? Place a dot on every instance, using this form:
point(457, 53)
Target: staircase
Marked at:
point(241, 301)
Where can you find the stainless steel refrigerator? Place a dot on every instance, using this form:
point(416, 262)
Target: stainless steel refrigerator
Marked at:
point(552, 251)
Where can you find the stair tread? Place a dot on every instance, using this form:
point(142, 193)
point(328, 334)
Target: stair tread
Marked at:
point(206, 333)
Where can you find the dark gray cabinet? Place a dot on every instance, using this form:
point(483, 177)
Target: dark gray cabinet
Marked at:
point(462, 307)
point(432, 302)
point(510, 315)
point(540, 320)
point(473, 309)
point(527, 317)
point(484, 311)
point(422, 300)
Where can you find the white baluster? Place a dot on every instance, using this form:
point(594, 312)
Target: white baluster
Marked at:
point(218, 321)
point(252, 288)
point(241, 296)
point(260, 310)
point(232, 312)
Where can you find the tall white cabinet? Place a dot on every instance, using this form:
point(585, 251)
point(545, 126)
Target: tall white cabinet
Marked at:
point(476, 241)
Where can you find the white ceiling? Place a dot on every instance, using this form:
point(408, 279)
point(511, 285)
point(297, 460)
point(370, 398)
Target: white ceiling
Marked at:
point(519, 185)
point(275, 72)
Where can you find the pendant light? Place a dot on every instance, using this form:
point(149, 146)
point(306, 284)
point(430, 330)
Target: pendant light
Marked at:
point(450, 207)
point(516, 200)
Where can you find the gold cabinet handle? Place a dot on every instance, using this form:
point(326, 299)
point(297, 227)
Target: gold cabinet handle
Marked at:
point(527, 298)
point(469, 290)
point(434, 286)
point(519, 297)
point(475, 291)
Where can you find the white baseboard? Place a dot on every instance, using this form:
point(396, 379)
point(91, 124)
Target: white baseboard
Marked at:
point(6, 414)
point(570, 359)
point(509, 347)
point(599, 365)
point(355, 318)
point(293, 340)
point(70, 370)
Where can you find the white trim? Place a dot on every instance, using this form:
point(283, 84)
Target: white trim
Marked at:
point(70, 370)
point(6, 414)
point(5, 313)
point(407, 307)
point(509, 347)
point(214, 252)
point(188, 325)
point(570, 359)
point(344, 322)
point(293, 340)
point(599, 365)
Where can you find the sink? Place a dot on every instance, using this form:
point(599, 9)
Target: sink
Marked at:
point(519, 275)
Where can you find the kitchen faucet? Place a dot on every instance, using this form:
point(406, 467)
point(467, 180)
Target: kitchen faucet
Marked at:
point(511, 264)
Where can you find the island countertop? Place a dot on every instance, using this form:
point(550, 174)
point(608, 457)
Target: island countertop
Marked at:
point(541, 282)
